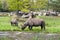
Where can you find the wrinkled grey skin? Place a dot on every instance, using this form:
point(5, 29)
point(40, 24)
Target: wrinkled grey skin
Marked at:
point(33, 22)
point(14, 22)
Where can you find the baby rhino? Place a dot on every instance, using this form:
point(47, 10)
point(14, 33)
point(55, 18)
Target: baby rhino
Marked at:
point(34, 22)
point(14, 22)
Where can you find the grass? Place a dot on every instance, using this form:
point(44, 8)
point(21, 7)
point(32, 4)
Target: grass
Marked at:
point(5, 24)
point(52, 25)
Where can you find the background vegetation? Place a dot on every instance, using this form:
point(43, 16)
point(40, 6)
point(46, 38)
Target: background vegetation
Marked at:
point(13, 5)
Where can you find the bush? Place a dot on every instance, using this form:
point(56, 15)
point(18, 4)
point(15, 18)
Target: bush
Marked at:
point(25, 10)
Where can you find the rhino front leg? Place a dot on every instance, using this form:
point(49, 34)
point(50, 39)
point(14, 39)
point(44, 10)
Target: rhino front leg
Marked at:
point(12, 24)
point(16, 24)
point(30, 27)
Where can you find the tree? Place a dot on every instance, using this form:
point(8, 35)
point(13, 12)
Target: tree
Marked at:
point(26, 4)
point(55, 5)
point(12, 5)
point(39, 4)
point(0, 5)
point(4, 5)
point(18, 4)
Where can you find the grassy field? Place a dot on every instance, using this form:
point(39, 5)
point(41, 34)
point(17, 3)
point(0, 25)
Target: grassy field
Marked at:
point(52, 25)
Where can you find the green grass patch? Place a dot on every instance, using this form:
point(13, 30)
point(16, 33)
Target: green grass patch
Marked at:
point(52, 25)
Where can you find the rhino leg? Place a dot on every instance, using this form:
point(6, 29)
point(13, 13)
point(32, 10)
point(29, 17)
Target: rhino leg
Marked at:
point(23, 27)
point(42, 26)
point(12, 24)
point(30, 27)
point(16, 24)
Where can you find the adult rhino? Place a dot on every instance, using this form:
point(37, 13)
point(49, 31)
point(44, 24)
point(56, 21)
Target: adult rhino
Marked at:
point(33, 22)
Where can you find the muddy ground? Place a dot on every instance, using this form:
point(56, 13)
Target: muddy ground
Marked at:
point(16, 35)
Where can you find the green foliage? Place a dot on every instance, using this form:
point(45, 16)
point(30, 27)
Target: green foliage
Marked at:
point(26, 4)
point(18, 4)
point(25, 10)
point(39, 4)
point(13, 5)
point(0, 5)
point(55, 5)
